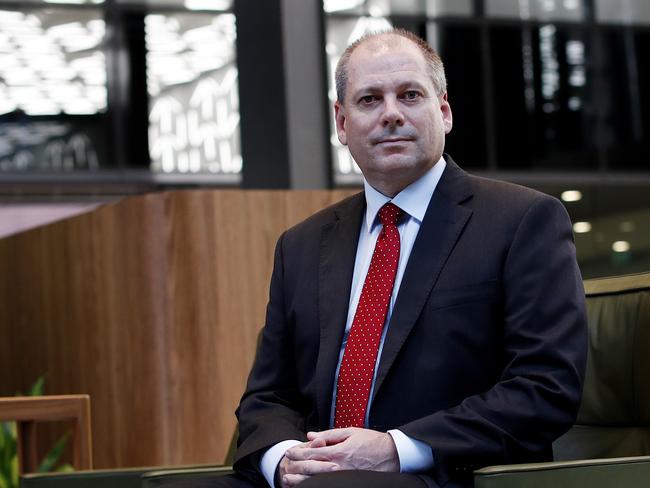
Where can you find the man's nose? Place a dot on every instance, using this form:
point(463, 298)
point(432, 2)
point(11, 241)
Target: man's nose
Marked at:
point(392, 115)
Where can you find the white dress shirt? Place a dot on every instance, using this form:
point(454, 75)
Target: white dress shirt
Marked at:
point(414, 456)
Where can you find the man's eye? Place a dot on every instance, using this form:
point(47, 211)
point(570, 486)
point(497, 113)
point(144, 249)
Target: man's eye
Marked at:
point(411, 95)
point(368, 99)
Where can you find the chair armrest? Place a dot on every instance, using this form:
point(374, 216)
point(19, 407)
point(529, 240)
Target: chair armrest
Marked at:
point(630, 472)
point(99, 478)
point(164, 477)
point(102, 478)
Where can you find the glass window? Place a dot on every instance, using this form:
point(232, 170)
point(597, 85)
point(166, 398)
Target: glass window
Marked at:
point(379, 8)
point(541, 86)
point(52, 89)
point(218, 5)
point(62, 2)
point(624, 119)
point(536, 9)
point(609, 225)
point(51, 62)
point(623, 11)
point(460, 49)
point(438, 8)
point(192, 84)
point(358, 7)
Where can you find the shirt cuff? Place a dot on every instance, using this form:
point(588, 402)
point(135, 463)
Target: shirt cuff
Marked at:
point(272, 458)
point(414, 456)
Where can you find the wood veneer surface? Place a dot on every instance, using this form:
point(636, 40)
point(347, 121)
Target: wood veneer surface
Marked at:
point(152, 306)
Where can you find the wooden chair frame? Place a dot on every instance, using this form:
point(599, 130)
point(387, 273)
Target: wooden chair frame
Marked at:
point(26, 411)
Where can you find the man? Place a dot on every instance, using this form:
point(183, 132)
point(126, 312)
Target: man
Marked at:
point(429, 326)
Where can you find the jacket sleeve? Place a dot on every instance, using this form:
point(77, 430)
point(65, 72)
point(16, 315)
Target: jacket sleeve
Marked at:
point(544, 344)
point(270, 410)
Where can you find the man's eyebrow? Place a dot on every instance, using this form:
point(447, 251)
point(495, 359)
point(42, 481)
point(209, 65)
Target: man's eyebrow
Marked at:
point(411, 84)
point(375, 87)
point(370, 88)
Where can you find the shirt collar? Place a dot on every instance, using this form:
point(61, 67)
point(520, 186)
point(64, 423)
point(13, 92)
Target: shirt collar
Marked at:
point(414, 199)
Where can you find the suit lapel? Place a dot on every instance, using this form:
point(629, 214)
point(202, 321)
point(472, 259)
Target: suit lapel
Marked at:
point(336, 266)
point(442, 225)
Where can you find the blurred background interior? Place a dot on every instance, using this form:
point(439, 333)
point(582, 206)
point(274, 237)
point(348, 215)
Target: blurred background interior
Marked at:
point(101, 99)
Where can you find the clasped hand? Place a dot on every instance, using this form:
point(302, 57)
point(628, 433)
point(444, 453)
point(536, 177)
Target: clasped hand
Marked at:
point(338, 449)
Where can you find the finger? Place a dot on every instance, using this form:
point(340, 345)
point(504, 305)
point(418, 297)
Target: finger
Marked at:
point(331, 436)
point(307, 453)
point(317, 443)
point(309, 467)
point(290, 480)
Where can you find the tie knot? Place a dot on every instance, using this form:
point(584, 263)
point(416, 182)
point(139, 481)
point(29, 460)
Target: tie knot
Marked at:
point(389, 214)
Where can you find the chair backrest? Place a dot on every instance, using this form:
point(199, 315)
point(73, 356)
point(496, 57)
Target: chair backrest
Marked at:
point(27, 411)
point(614, 416)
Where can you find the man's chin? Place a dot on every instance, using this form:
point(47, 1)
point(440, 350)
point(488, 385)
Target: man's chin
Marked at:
point(395, 163)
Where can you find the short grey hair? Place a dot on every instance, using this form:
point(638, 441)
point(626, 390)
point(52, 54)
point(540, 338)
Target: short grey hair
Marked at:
point(436, 68)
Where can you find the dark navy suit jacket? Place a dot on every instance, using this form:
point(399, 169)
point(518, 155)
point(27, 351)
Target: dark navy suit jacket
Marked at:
point(485, 355)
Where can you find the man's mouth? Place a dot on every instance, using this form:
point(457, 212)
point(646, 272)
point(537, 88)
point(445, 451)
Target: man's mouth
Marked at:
point(391, 140)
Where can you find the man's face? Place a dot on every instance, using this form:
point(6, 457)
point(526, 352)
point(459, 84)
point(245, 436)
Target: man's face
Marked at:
point(392, 121)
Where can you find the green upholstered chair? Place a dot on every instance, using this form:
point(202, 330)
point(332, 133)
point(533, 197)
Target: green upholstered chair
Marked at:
point(154, 479)
point(128, 477)
point(99, 478)
point(609, 446)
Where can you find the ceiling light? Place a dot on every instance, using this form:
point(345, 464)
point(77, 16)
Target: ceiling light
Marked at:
point(63, 31)
point(24, 94)
point(8, 61)
point(64, 93)
point(42, 107)
point(571, 196)
point(336, 5)
point(75, 2)
point(20, 77)
point(581, 227)
point(207, 4)
point(79, 107)
point(178, 76)
point(200, 35)
point(79, 42)
point(7, 106)
point(63, 73)
point(621, 246)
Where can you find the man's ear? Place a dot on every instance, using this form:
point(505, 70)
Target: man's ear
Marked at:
point(339, 116)
point(447, 118)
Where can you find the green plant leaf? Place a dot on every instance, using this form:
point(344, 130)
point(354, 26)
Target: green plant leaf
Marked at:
point(37, 388)
point(52, 457)
point(13, 474)
point(8, 457)
point(64, 468)
point(8, 451)
point(4, 482)
point(6, 429)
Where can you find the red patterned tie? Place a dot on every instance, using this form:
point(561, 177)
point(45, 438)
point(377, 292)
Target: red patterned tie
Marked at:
point(358, 364)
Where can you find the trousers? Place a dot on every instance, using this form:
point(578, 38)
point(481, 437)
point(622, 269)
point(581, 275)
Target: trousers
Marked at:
point(339, 479)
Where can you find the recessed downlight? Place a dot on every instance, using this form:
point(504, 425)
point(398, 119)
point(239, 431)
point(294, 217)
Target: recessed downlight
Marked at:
point(621, 246)
point(571, 196)
point(582, 227)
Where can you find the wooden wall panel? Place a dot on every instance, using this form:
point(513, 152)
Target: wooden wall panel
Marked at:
point(152, 306)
